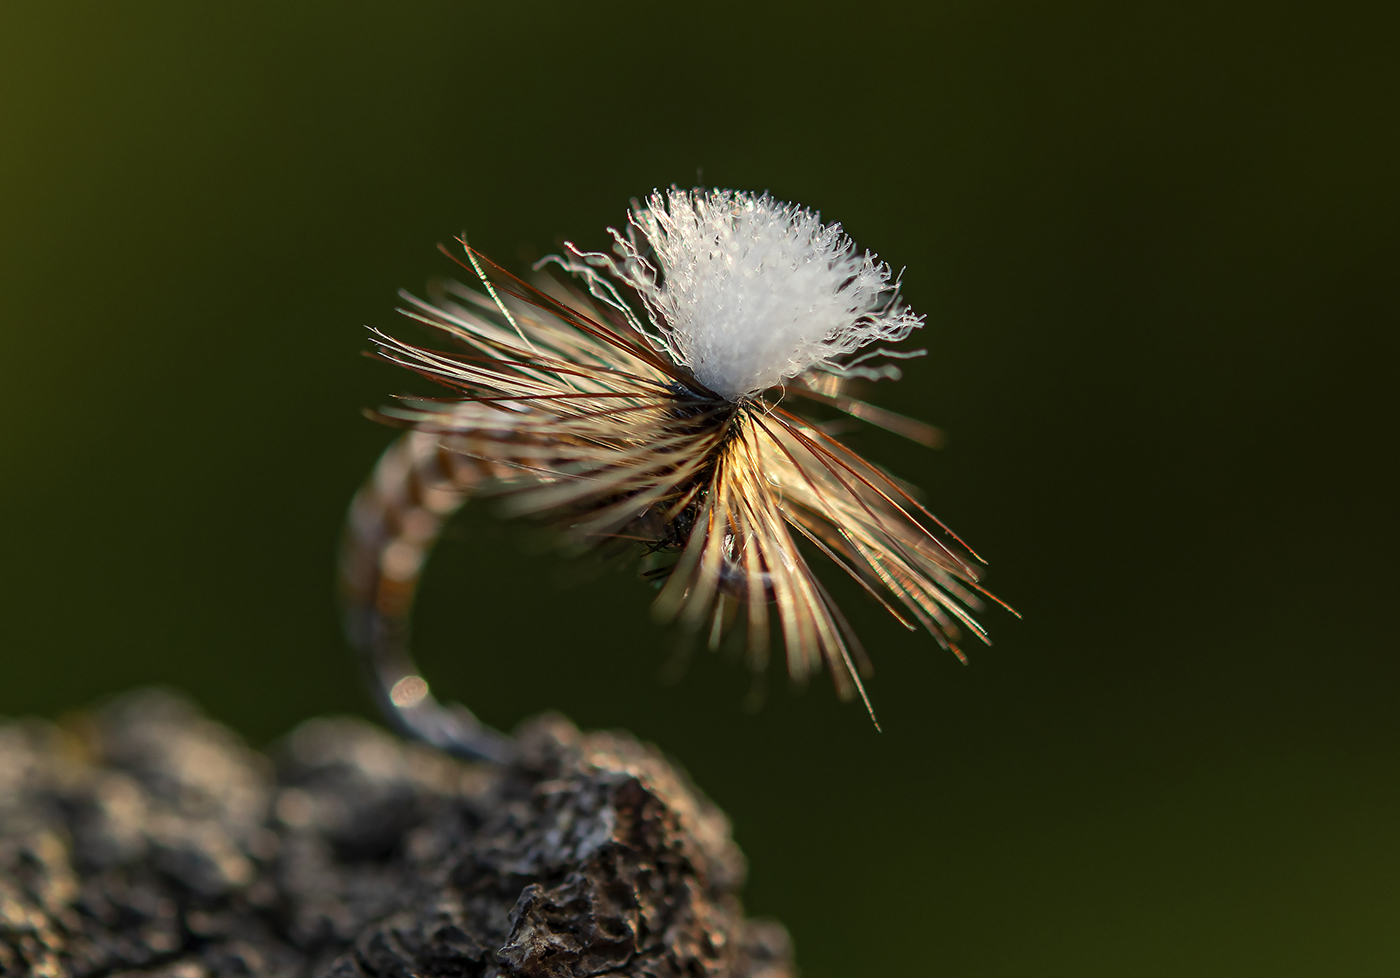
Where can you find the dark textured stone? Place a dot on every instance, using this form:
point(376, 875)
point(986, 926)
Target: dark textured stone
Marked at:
point(144, 840)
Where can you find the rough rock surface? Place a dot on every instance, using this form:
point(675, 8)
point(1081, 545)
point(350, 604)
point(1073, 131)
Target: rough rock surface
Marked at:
point(143, 838)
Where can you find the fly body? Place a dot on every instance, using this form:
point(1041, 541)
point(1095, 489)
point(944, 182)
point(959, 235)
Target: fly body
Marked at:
point(649, 394)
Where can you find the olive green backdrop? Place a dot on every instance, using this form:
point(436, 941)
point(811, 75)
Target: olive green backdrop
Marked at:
point(1157, 247)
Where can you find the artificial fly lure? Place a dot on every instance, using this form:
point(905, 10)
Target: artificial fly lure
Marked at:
point(650, 394)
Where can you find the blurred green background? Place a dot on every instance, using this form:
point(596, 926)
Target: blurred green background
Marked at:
point(1157, 247)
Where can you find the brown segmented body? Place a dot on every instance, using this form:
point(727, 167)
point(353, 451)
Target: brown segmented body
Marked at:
point(394, 521)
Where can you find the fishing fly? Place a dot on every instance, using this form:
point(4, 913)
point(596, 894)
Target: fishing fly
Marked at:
point(653, 393)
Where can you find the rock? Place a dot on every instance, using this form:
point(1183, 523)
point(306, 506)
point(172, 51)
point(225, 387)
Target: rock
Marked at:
point(144, 839)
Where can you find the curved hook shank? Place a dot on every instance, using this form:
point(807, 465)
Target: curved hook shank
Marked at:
point(393, 523)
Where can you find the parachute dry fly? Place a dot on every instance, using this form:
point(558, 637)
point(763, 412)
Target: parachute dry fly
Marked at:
point(656, 407)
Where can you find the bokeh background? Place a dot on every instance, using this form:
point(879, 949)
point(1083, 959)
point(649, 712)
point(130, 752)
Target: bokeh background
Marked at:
point(1157, 247)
